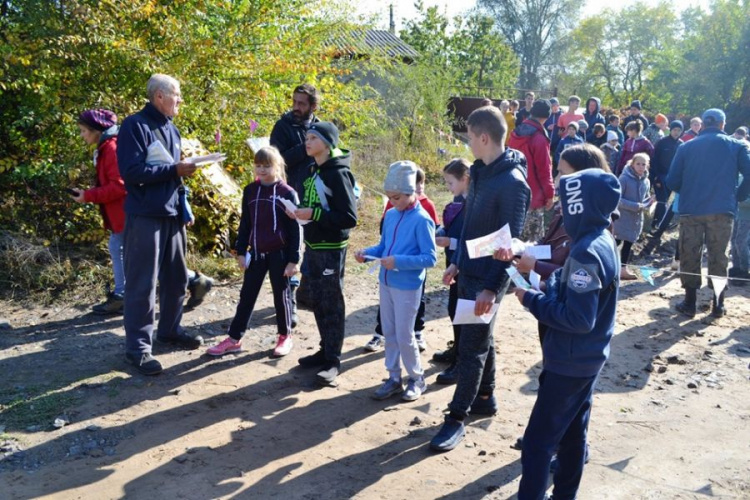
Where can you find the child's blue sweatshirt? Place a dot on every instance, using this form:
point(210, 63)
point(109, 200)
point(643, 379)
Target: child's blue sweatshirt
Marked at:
point(565, 143)
point(581, 298)
point(410, 237)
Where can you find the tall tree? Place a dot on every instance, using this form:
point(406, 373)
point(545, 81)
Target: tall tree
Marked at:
point(534, 29)
point(614, 53)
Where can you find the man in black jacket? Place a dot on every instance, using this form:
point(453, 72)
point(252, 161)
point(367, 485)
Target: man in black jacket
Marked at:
point(498, 195)
point(288, 135)
point(663, 155)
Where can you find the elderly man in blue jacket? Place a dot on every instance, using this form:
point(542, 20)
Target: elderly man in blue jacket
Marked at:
point(578, 307)
point(705, 172)
point(156, 210)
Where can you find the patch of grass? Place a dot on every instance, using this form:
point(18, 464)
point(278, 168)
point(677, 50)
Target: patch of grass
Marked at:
point(33, 406)
point(218, 268)
point(31, 270)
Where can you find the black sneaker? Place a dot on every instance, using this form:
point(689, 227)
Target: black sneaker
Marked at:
point(446, 356)
point(145, 363)
point(182, 340)
point(199, 288)
point(113, 305)
point(313, 360)
point(327, 375)
point(450, 435)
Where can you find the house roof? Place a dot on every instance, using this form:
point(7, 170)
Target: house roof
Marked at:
point(360, 42)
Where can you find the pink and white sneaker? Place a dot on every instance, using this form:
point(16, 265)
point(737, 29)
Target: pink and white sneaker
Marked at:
point(226, 346)
point(283, 346)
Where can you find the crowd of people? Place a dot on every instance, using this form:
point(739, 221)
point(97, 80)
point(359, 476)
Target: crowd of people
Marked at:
point(579, 168)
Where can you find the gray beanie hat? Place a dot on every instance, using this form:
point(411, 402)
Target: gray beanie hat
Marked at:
point(402, 177)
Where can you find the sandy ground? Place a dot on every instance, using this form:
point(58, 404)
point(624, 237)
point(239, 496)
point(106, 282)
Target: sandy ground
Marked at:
point(671, 417)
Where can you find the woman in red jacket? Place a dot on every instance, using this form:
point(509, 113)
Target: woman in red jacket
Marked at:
point(99, 127)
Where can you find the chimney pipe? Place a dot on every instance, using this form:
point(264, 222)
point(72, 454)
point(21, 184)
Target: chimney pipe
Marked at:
point(392, 27)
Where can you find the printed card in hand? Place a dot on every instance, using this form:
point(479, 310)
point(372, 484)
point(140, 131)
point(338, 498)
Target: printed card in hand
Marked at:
point(465, 313)
point(519, 280)
point(485, 246)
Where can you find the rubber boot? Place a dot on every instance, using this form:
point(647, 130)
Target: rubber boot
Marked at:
point(687, 306)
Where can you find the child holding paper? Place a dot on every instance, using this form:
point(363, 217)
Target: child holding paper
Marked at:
point(498, 195)
point(456, 175)
point(636, 199)
point(578, 306)
point(268, 242)
point(406, 250)
point(377, 341)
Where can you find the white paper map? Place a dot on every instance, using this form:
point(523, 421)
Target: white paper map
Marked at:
point(485, 246)
point(535, 280)
point(206, 159)
point(539, 252)
point(465, 313)
point(291, 207)
point(375, 263)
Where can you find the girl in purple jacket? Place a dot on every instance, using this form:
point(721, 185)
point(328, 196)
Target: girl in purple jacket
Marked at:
point(267, 243)
point(635, 144)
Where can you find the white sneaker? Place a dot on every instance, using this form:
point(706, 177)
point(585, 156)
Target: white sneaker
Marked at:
point(376, 343)
point(414, 389)
point(388, 389)
point(283, 346)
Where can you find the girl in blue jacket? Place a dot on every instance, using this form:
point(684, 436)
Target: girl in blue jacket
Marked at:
point(406, 250)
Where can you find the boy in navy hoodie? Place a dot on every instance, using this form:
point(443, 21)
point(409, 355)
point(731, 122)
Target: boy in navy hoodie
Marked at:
point(578, 305)
point(498, 195)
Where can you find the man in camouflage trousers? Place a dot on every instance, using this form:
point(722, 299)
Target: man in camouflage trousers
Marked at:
point(705, 173)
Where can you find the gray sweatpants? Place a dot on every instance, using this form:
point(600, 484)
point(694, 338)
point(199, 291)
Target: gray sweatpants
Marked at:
point(154, 249)
point(398, 309)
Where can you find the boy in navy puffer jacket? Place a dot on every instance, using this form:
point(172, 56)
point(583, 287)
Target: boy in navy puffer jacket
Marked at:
point(578, 306)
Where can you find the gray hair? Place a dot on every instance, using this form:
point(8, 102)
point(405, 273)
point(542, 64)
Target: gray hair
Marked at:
point(160, 82)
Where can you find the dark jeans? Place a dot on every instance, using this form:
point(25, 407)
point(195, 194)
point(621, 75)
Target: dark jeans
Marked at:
point(559, 422)
point(662, 195)
point(273, 264)
point(476, 353)
point(325, 272)
point(154, 249)
point(418, 323)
